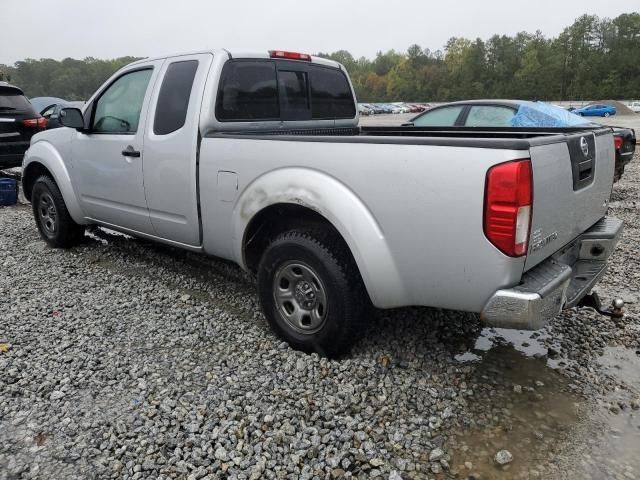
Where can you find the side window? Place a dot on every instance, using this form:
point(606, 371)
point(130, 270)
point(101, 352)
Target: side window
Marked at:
point(118, 108)
point(248, 92)
point(294, 93)
point(439, 117)
point(489, 116)
point(49, 111)
point(173, 99)
point(330, 94)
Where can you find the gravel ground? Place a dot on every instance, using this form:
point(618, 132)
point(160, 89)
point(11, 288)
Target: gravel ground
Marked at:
point(131, 360)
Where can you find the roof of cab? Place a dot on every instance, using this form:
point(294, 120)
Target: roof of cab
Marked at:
point(237, 54)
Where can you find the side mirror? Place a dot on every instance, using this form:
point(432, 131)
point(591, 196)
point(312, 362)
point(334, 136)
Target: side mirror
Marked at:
point(72, 118)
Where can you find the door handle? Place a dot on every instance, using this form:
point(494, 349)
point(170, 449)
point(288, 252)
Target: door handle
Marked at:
point(131, 152)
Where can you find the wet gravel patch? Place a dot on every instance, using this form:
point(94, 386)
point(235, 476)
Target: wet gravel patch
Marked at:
point(131, 360)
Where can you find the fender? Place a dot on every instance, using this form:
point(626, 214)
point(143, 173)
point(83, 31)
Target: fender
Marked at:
point(342, 208)
point(44, 153)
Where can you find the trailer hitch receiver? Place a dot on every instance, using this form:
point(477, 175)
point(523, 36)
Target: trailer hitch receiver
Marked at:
point(593, 300)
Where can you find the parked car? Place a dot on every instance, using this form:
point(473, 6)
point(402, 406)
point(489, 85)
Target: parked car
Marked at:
point(413, 108)
point(375, 108)
point(49, 108)
point(402, 107)
point(384, 107)
point(18, 123)
point(635, 106)
point(500, 113)
point(424, 106)
point(597, 110)
point(330, 217)
point(40, 104)
point(364, 110)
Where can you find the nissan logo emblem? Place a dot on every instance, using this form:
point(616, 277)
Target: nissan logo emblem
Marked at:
point(584, 146)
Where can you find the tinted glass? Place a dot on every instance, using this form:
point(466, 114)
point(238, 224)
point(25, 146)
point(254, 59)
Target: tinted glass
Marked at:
point(490, 116)
point(248, 92)
point(330, 94)
point(13, 101)
point(173, 99)
point(49, 111)
point(294, 91)
point(118, 108)
point(439, 117)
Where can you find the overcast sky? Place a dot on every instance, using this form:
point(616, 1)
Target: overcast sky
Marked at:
point(115, 28)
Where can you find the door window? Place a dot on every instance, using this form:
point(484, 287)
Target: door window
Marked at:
point(439, 117)
point(173, 99)
point(118, 108)
point(489, 116)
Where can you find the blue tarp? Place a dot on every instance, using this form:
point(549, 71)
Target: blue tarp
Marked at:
point(540, 114)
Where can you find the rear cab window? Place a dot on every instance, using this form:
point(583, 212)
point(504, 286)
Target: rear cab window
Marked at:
point(248, 92)
point(264, 90)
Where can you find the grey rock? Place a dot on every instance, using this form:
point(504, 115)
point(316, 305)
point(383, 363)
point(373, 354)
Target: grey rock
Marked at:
point(503, 457)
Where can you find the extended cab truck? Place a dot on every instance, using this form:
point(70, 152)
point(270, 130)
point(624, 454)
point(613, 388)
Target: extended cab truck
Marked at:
point(257, 158)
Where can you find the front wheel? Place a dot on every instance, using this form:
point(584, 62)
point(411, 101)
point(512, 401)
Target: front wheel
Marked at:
point(311, 292)
point(54, 223)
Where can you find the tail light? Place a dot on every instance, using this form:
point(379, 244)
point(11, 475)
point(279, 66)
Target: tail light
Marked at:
point(507, 206)
point(39, 122)
point(289, 55)
point(618, 141)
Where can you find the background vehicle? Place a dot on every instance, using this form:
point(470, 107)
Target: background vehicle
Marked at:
point(376, 109)
point(257, 158)
point(635, 106)
point(500, 113)
point(18, 123)
point(597, 110)
point(49, 108)
point(413, 108)
point(364, 110)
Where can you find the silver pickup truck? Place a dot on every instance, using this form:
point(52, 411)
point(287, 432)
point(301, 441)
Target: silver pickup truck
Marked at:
point(258, 158)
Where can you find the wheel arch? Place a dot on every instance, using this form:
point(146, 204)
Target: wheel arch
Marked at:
point(294, 197)
point(43, 159)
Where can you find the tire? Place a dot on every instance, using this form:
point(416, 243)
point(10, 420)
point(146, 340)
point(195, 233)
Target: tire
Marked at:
point(607, 114)
point(618, 174)
point(54, 223)
point(311, 292)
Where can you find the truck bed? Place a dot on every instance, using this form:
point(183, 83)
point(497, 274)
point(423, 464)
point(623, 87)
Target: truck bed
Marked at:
point(480, 137)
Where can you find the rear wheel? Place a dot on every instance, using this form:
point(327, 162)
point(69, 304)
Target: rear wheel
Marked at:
point(311, 292)
point(54, 223)
point(606, 114)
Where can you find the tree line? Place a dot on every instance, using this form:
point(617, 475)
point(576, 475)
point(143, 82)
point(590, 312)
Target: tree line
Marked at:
point(594, 58)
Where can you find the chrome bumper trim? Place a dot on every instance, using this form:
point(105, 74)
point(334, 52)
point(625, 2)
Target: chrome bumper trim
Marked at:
point(558, 282)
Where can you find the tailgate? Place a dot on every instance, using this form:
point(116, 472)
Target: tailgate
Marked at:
point(572, 180)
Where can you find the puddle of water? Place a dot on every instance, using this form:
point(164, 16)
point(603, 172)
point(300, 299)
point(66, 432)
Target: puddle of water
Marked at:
point(520, 405)
point(622, 363)
point(531, 344)
point(524, 405)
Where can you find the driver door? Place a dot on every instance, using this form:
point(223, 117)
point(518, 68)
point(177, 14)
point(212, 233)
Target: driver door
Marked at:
point(107, 160)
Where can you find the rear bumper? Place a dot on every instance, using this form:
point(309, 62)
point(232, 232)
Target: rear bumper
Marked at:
point(559, 282)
